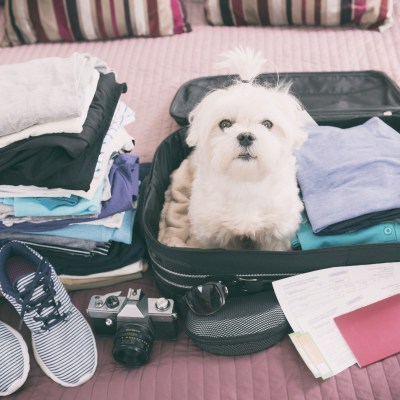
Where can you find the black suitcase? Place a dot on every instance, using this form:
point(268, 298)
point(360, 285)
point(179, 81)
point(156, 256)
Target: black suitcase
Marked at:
point(342, 99)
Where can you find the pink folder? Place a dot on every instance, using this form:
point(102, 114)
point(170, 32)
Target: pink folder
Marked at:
point(372, 332)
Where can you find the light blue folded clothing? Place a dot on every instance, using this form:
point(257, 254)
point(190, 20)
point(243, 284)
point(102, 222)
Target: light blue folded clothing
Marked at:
point(350, 175)
point(306, 239)
point(52, 203)
point(56, 206)
point(98, 233)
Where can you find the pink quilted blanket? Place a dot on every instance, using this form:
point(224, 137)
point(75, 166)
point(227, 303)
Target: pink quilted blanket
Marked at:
point(154, 69)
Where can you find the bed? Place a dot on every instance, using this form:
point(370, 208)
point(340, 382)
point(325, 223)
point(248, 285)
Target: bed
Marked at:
point(154, 69)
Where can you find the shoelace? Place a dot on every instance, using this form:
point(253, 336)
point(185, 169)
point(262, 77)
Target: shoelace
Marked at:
point(44, 301)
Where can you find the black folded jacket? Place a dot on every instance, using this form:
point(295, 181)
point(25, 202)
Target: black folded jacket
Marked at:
point(64, 160)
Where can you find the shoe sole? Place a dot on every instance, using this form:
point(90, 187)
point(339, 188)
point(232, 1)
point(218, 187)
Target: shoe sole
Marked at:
point(24, 348)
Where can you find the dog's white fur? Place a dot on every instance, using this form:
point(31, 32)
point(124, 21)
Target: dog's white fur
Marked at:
point(245, 196)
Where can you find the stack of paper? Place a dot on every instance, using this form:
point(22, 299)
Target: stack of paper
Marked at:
point(311, 301)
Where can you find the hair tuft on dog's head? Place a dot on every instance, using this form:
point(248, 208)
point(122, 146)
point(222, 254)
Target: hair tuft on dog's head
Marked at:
point(243, 61)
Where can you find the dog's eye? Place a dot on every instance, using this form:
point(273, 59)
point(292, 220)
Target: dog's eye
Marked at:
point(267, 123)
point(225, 123)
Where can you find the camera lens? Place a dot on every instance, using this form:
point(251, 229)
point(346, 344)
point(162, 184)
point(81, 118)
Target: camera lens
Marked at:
point(132, 345)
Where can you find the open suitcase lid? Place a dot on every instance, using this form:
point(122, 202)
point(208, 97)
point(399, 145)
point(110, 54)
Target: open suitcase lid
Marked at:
point(325, 95)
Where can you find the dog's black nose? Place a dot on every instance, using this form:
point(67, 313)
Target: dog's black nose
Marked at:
point(246, 138)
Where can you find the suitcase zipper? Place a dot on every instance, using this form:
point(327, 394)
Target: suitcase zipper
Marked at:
point(172, 284)
point(327, 115)
point(198, 279)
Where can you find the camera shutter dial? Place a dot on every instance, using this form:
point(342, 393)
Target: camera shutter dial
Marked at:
point(112, 302)
point(162, 304)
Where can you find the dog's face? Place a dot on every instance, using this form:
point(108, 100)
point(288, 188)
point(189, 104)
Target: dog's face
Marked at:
point(244, 130)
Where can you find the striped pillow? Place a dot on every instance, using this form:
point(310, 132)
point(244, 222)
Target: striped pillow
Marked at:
point(371, 14)
point(31, 21)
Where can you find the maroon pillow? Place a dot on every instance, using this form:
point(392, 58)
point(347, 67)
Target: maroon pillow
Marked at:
point(77, 20)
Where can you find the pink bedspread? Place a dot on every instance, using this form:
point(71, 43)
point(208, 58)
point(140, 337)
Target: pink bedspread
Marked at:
point(154, 69)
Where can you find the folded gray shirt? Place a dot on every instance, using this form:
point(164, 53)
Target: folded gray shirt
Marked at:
point(44, 90)
point(350, 175)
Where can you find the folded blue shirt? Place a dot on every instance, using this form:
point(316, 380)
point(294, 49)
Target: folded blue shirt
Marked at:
point(58, 206)
point(99, 233)
point(52, 203)
point(350, 175)
point(306, 239)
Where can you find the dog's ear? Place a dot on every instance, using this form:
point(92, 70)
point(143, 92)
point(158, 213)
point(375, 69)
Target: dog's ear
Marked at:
point(301, 118)
point(193, 135)
point(300, 136)
point(296, 118)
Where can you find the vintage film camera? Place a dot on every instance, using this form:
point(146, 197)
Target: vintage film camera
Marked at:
point(136, 320)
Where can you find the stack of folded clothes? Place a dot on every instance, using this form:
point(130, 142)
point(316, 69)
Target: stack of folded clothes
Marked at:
point(351, 194)
point(68, 180)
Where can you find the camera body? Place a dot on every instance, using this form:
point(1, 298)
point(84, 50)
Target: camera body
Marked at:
point(110, 312)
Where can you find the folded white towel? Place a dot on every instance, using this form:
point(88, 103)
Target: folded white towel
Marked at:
point(44, 90)
point(69, 125)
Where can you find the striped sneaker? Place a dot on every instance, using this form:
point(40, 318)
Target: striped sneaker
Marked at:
point(62, 341)
point(14, 360)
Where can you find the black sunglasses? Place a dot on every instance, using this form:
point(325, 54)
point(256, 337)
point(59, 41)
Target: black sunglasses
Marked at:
point(206, 299)
point(210, 297)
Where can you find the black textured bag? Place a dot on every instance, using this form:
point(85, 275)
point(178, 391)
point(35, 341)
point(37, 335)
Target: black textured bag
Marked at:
point(342, 99)
point(246, 324)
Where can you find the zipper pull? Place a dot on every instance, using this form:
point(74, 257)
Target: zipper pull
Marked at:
point(296, 243)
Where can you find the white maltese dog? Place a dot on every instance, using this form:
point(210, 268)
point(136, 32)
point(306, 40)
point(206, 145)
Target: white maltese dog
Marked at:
point(244, 192)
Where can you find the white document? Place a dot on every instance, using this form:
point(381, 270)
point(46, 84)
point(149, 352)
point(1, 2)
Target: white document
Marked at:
point(311, 301)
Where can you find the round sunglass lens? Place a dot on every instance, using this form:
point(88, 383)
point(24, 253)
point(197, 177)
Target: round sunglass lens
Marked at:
point(205, 299)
